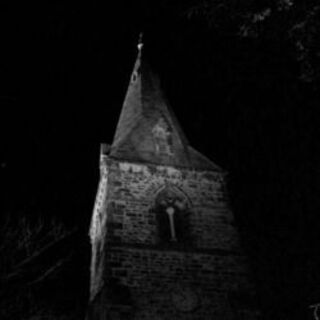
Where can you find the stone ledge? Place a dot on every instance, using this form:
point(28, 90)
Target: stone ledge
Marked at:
point(175, 248)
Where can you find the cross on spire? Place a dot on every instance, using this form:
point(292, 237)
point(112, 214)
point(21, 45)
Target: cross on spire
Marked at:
point(140, 41)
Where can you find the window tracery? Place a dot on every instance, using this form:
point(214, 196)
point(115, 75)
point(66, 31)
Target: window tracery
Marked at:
point(172, 210)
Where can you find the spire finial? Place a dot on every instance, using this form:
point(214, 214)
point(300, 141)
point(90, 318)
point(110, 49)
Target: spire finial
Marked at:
point(140, 42)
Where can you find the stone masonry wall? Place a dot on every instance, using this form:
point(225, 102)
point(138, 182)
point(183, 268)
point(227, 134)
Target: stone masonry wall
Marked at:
point(130, 262)
point(132, 196)
point(153, 276)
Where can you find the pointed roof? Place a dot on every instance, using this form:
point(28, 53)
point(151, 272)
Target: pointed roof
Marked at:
point(148, 130)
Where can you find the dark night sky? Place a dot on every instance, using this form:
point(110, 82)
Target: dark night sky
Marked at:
point(64, 70)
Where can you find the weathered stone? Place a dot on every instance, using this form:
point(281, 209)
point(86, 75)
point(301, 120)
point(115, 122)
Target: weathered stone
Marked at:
point(164, 245)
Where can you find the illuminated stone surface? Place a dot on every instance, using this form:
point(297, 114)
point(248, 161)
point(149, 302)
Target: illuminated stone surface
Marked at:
point(139, 270)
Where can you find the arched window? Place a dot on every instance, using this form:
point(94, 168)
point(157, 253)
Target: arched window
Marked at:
point(172, 209)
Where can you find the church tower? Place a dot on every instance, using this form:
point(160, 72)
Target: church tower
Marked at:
point(164, 244)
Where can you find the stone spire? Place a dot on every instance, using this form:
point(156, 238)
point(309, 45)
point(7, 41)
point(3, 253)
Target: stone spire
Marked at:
point(147, 130)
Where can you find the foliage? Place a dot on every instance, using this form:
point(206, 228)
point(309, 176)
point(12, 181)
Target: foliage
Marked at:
point(294, 22)
point(26, 249)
